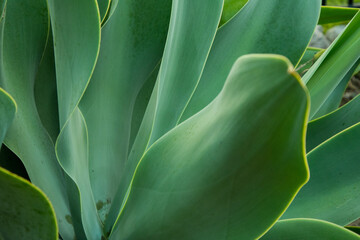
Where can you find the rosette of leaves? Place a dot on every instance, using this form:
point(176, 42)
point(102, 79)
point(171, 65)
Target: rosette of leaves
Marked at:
point(146, 120)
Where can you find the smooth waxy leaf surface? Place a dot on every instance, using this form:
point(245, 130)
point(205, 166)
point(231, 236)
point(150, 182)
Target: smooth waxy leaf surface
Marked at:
point(46, 93)
point(300, 229)
point(333, 65)
point(231, 7)
point(195, 181)
point(72, 150)
point(104, 6)
point(25, 212)
point(191, 32)
point(24, 34)
point(76, 34)
point(332, 194)
point(259, 27)
point(321, 129)
point(132, 43)
point(334, 99)
point(336, 14)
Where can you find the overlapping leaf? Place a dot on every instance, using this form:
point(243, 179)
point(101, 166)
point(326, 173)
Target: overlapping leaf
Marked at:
point(259, 27)
point(132, 43)
point(333, 66)
point(194, 182)
point(332, 194)
point(300, 229)
point(23, 38)
point(25, 212)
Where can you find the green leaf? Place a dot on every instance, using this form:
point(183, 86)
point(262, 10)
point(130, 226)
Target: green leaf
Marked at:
point(72, 149)
point(132, 43)
point(2, 9)
point(231, 7)
point(46, 93)
point(334, 99)
point(191, 32)
point(332, 194)
point(210, 173)
point(336, 14)
point(300, 229)
point(25, 212)
point(104, 6)
point(321, 129)
point(23, 38)
point(273, 30)
point(7, 110)
point(333, 65)
point(76, 34)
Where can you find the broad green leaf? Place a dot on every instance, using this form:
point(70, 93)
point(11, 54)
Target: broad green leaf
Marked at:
point(104, 6)
point(72, 149)
point(192, 31)
point(333, 65)
point(332, 194)
point(321, 129)
point(76, 35)
point(25, 212)
point(24, 33)
point(231, 7)
point(46, 93)
point(336, 14)
point(301, 229)
point(200, 190)
point(132, 43)
point(260, 27)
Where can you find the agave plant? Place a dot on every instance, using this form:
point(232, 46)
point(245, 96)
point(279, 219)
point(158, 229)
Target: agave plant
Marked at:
point(148, 120)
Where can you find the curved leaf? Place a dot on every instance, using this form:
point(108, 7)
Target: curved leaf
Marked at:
point(46, 93)
point(7, 110)
point(132, 44)
point(72, 149)
point(259, 27)
point(191, 32)
point(24, 35)
point(333, 65)
point(104, 6)
point(334, 99)
point(200, 190)
point(336, 14)
point(300, 229)
point(231, 7)
point(332, 194)
point(76, 34)
point(25, 212)
point(321, 129)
